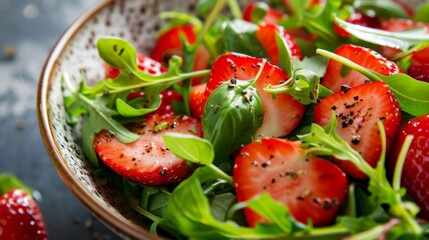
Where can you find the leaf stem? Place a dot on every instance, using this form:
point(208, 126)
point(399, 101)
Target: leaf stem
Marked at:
point(349, 64)
point(221, 173)
point(396, 183)
point(173, 79)
point(67, 83)
point(235, 9)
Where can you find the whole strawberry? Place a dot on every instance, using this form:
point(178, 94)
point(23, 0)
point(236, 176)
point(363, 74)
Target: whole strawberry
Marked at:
point(415, 173)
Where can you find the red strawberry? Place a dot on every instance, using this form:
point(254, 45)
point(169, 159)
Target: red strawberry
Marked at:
point(266, 35)
point(144, 63)
point(282, 114)
point(20, 217)
point(357, 111)
point(196, 100)
point(359, 19)
point(148, 160)
point(399, 25)
point(335, 76)
point(419, 65)
point(169, 43)
point(272, 16)
point(415, 174)
point(311, 188)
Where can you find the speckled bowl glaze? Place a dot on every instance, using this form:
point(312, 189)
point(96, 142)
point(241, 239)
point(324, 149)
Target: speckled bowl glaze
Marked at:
point(136, 21)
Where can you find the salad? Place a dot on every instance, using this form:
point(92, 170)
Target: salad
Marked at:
point(288, 119)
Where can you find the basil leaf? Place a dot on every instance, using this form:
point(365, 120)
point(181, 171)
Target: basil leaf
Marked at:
point(399, 40)
point(240, 36)
point(382, 8)
point(190, 147)
point(231, 117)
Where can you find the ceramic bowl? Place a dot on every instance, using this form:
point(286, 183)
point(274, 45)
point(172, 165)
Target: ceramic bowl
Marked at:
point(134, 20)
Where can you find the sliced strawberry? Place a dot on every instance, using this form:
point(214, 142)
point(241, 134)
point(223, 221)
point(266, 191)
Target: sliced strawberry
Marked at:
point(169, 43)
point(415, 173)
point(337, 75)
point(196, 100)
point(311, 188)
point(399, 25)
point(272, 16)
point(359, 19)
point(20, 217)
point(357, 110)
point(266, 35)
point(419, 65)
point(281, 114)
point(148, 160)
point(144, 63)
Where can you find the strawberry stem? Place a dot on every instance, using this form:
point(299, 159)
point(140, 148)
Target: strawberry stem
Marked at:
point(349, 64)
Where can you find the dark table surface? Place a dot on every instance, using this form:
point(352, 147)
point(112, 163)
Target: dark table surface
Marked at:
point(28, 30)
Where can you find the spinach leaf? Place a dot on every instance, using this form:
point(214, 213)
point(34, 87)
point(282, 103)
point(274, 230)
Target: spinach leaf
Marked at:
point(421, 15)
point(240, 36)
point(382, 8)
point(190, 147)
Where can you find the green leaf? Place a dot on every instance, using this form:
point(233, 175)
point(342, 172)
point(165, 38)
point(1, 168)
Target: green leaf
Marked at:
point(190, 147)
point(303, 86)
point(399, 40)
point(285, 57)
point(196, 221)
point(204, 7)
point(231, 117)
point(381, 8)
point(9, 181)
point(259, 12)
point(421, 15)
point(127, 110)
point(118, 53)
point(240, 36)
point(316, 64)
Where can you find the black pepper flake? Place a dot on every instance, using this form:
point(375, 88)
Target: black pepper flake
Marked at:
point(233, 81)
point(345, 88)
point(273, 180)
point(356, 139)
point(291, 174)
point(383, 118)
point(327, 204)
point(163, 171)
point(265, 164)
point(316, 200)
point(356, 98)
point(334, 108)
point(300, 198)
point(271, 156)
point(254, 163)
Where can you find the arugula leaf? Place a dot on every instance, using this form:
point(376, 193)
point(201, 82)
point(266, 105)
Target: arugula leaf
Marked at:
point(232, 116)
point(303, 86)
point(399, 40)
point(100, 117)
point(412, 95)
point(285, 58)
point(190, 147)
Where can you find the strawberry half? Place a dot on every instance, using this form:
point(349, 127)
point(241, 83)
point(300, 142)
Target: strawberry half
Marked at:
point(281, 114)
point(311, 188)
point(147, 160)
point(169, 43)
point(415, 173)
point(337, 75)
point(144, 63)
point(357, 110)
point(20, 217)
point(266, 35)
point(272, 16)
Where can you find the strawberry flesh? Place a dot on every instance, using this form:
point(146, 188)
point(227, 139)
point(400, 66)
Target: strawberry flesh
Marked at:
point(147, 160)
point(311, 188)
point(357, 111)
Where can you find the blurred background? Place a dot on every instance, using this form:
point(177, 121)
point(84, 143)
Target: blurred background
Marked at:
point(28, 30)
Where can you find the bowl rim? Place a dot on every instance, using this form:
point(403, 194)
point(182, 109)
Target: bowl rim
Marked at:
point(53, 149)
